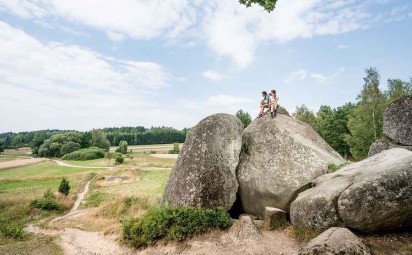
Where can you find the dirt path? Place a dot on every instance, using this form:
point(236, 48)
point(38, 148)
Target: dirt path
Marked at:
point(21, 162)
point(80, 242)
point(61, 163)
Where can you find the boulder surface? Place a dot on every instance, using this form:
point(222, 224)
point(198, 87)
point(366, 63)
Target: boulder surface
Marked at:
point(205, 171)
point(397, 124)
point(371, 195)
point(335, 241)
point(384, 144)
point(279, 158)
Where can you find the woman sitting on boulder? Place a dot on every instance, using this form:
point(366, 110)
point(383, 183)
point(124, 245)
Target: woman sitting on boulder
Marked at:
point(264, 103)
point(273, 103)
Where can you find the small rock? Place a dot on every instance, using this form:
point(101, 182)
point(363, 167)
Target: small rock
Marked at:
point(275, 218)
point(244, 229)
point(335, 241)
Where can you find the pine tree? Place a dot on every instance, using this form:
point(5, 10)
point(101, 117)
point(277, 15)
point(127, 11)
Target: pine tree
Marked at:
point(64, 187)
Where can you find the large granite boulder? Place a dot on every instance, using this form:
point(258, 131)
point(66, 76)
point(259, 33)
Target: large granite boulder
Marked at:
point(397, 124)
point(371, 195)
point(279, 158)
point(205, 171)
point(384, 144)
point(335, 241)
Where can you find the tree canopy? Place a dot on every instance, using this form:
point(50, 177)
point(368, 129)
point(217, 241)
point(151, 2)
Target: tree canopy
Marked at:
point(268, 5)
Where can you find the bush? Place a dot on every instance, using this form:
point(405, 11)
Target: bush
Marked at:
point(174, 224)
point(10, 229)
point(64, 187)
point(69, 147)
point(47, 202)
point(175, 150)
point(85, 154)
point(118, 158)
point(122, 147)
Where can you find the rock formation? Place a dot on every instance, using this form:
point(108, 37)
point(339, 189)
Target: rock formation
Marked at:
point(335, 241)
point(397, 127)
point(205, 171)
point(371, 195)
point(279, 158)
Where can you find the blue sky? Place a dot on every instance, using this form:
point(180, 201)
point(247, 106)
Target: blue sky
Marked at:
point(83, 64)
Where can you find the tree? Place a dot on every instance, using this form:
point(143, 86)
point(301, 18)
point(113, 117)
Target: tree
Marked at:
point(268, 5)
point(366, 121)
point(37, 141)
point(1, 148)
point(64, 187)
point(69, 147)
point(303, 114)
point(175, 150)
point(122, 147)
point(99, 139)
point(397, 89)
point(244, 117)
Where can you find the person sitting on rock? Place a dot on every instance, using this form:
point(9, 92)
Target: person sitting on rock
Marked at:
point(273, 103)
point(264, 103)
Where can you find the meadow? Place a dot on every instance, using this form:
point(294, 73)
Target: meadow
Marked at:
point(116, 193)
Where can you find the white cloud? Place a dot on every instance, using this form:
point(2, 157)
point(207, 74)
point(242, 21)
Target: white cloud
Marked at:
point(303, 74)
point(324, 78)
point(228, 28)
point(42, 82)
point(212, 75)
point(297, 75)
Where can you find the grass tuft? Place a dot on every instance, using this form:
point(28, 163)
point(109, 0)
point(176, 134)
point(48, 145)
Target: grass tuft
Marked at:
point(174, 224)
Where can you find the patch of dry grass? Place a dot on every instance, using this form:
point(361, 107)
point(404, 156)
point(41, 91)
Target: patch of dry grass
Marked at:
point(301, 235)
point(34, 245)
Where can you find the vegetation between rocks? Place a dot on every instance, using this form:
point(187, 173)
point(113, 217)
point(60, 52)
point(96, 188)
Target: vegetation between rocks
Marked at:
point(174, 224)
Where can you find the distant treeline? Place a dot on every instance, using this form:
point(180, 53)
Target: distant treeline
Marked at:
point(133, 135)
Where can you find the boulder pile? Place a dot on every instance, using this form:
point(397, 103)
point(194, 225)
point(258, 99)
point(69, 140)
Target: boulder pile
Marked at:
point(397, 127)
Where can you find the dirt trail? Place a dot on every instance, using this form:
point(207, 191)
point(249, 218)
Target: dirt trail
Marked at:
point(21, 162)
point(61, 163)
point(80, 242)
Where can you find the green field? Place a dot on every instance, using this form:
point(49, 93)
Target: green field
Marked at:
point(144, 180)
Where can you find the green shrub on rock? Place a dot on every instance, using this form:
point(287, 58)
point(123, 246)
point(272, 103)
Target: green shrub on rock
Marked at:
point(174, 224)
point(85, 154)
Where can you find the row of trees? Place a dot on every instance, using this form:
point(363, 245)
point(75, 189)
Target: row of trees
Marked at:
point(351, 129)
point(133, 136)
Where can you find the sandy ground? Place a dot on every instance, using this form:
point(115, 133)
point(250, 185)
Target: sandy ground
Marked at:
point(61, 163)
point(21, 162)
point(174, 156)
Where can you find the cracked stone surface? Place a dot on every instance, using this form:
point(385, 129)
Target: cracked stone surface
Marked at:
point(279, 158)
point(205, 171)
point(371, 195)
point(397, 124)
point(335, 241)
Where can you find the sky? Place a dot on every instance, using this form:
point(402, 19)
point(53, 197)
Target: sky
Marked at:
point(84, 64)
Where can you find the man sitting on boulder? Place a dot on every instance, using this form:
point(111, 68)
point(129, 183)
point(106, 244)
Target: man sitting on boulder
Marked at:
point(264, 103)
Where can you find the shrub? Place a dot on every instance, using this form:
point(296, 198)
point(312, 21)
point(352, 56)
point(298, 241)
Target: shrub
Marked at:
point(64, 187)
point(152, 152)
point(122, 147)
point(175, 149)
point(118, 158)
point(85, 154)
point(13, 230)
point(174, 224)
point(47, 202)
point(69, 147)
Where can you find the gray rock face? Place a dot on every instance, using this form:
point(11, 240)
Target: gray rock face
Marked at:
point(244, 229)
point(384, 144)
point(205, 171)
point(335, 241)
point(371, 195)
point(275, 218)
point(279, 158)
point(398, 121)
